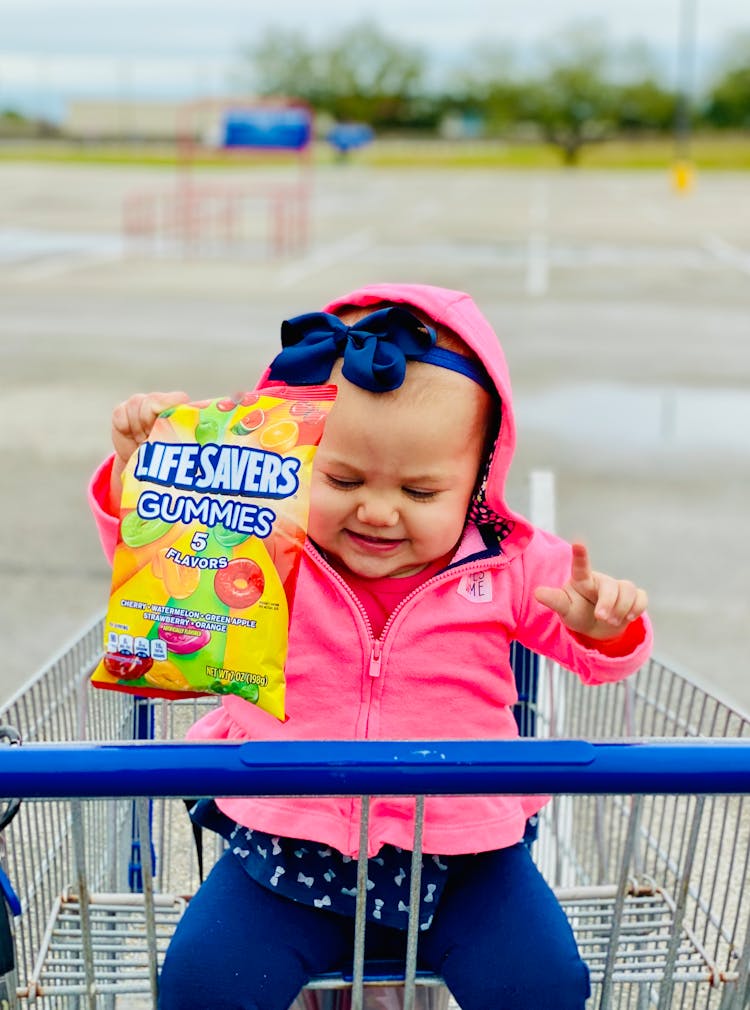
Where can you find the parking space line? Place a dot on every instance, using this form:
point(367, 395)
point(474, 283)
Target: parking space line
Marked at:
point(537, 248)
point(727, 253)
point(48, 267)
point(539, 206)
point(425, 209)
point(325, 256)
point(31, 254)
point(537, 265)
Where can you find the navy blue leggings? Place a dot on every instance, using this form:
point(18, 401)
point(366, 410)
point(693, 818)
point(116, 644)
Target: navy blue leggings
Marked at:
point(499, 939)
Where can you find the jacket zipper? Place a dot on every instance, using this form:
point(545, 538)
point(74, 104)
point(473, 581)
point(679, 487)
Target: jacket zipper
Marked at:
point(377, 649)
point(376, 644)
point(332, 571)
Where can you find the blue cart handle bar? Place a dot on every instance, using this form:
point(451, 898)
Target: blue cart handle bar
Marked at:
point(391, 768)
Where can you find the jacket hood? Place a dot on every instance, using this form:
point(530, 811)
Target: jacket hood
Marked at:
point(458, 312)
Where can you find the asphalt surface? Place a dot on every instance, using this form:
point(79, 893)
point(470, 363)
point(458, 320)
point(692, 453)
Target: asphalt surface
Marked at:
point(622, 306)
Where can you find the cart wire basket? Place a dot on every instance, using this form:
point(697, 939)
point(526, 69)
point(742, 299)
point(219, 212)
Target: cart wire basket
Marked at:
point(646, 841)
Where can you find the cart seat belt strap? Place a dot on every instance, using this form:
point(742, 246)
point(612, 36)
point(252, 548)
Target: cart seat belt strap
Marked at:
point(7, 892)
point(198, 838)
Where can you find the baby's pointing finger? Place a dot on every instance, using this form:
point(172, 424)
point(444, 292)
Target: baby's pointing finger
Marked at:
point(580, 567)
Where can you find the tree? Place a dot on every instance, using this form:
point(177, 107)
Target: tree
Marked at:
point(489, 87)
point(283, 62)
point(361, 75)
point(728, 102)
point(573, 103)
point(643, 105)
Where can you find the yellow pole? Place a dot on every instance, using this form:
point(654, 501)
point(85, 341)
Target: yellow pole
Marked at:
point(683, 170)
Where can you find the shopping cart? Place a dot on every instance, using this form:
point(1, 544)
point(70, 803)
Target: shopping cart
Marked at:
point(646, 843)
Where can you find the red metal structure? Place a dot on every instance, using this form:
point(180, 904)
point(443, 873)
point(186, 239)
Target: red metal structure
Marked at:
point(243, 177)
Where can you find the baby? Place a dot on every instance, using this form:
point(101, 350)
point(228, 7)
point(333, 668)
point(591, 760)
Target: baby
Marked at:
point(415, 580)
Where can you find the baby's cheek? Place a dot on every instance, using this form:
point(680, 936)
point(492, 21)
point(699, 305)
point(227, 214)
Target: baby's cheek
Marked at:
point(320, 519)
point(449, 529)
point(313, 530)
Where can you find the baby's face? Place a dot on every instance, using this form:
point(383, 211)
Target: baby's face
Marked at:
point(395, 472)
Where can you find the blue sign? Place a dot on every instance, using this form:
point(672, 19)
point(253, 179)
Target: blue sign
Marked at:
point(269, 128)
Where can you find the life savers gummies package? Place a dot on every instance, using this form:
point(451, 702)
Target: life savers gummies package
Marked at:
point(213, 520)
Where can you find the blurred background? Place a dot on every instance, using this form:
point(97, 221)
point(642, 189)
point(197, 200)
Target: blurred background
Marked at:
point(568, 73)
point(177, 178)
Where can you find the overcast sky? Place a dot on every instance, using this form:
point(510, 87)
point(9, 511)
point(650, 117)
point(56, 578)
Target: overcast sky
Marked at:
point(67, 47)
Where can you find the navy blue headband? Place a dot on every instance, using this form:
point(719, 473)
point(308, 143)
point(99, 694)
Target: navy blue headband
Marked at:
point(375, 350)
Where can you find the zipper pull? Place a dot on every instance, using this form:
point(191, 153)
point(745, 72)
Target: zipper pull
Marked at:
point(377, 648)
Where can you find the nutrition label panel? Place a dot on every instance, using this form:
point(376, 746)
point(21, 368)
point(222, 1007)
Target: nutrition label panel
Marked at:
point(136, 645)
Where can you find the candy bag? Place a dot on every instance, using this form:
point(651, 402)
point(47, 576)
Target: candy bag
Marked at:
point(213, 519)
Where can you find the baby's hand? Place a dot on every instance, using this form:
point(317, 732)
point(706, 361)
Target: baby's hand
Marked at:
point(132, 422)
point(591, 603)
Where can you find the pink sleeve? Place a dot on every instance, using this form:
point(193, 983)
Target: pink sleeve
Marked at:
point(98, 495)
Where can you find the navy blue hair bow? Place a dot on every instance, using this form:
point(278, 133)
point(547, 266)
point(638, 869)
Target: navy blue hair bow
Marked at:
point(375, 350)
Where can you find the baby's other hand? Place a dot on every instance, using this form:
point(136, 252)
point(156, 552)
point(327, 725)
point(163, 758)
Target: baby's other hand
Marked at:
point(132, 422)
point(591, 603)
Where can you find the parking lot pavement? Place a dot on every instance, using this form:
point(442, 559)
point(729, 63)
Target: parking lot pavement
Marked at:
point(622, 306)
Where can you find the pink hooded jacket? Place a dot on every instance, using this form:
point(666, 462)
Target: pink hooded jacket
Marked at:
point(439, 670)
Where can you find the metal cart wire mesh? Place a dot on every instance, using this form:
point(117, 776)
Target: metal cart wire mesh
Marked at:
point(655, 884)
